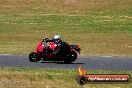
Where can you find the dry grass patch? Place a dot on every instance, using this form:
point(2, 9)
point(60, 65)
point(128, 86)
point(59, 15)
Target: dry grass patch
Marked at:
point(9, 79)
point(50, 78)
point(61, 6)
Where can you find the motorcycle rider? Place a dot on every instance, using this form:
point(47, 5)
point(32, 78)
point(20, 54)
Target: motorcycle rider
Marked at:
point(57, 39)
point(62, 46)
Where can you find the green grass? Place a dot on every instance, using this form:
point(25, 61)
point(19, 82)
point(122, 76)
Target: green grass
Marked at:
point(51, 78)
point(101, 27)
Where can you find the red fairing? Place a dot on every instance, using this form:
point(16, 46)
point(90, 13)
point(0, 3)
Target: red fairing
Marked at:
point(52, 45)
point(40, 47)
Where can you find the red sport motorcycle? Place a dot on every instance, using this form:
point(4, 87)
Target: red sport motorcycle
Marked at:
point(50, 51)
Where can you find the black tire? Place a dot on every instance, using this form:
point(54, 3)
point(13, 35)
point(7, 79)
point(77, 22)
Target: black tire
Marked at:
point(33, 57)
point(81, 80)
point(72, 57)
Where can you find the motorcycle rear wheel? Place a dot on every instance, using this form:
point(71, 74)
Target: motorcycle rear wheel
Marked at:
point(72, 57)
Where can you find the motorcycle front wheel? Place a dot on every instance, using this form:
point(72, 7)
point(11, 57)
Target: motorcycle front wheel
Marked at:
point(33, 57)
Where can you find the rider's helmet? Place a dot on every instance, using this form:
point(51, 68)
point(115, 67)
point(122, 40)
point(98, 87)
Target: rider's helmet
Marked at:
point(45, 39)
point(57, 38)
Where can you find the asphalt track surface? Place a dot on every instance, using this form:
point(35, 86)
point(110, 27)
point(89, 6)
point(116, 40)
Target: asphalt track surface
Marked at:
point(88, 63)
